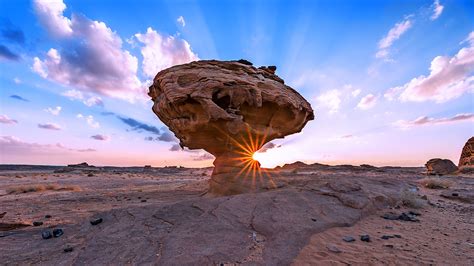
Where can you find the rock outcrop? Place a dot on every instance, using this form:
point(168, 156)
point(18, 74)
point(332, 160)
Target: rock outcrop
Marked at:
point(466, 161)
point(439, 166)
point(230, 109)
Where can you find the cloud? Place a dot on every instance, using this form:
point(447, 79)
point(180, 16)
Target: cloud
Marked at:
point(426, 121)
point(17, 80)
point(349, 136)
point(50, 126)
point(90, 57)
point(268, 146)
point(78, 95)
point(7, 54)
point(175, 147)
point(4, 119)
point(393, 34)
point(331, 100)
point(17, 97)
point(14, 146)
point(167, 136)
point(160, 52)
point(100, 137)
point(449, 78)
point(90, 120)
point(138, 126)
point(12, 34)
point(356, 92)
point(53, 111)
point(437, 10)
point(367, 102)
point(181, 21)
point(204, 157)
point(392, 93)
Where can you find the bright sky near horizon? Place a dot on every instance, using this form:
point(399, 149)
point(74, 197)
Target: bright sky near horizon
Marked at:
point(391, 82)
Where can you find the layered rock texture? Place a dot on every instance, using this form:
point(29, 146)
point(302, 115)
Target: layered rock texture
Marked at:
point(230, 109)
point(439, 166)
point(466, 161)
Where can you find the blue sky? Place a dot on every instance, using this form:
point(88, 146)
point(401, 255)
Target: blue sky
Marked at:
point(391, 82)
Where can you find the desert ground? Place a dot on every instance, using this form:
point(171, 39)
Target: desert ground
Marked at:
point(309, 215)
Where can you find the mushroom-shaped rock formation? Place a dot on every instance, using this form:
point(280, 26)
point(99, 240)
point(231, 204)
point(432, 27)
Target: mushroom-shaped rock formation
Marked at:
point(466, 161)
point(230, 109)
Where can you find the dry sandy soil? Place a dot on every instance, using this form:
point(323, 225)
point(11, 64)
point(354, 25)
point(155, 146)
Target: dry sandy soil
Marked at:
point(164, 216)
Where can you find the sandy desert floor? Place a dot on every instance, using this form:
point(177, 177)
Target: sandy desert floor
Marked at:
point(164, 216)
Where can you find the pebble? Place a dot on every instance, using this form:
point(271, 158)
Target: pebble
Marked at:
point(46, 235)
point(385, 237)
point(365, 238)
point(143, 200)
point(36, 223)
point(348, 239)
point(314, 220)
point(455, 194)
point(47, 216)
point(333, 248)
point(388, 246)
point(58, 232)
point(96, 221)
point(68, 249)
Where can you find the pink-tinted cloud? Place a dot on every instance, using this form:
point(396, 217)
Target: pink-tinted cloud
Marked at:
point(160, 52)
point(91, 57)
point(50, 126)
point(424, 120)
point(78, 95)
point(367, 102)
point(437, 10)
point(393, 34)
point(4, 119)
point(204, 157)
point(14, 146)
point(449, 78)
point(100, 137)
point(331, 100)
point(54, 111)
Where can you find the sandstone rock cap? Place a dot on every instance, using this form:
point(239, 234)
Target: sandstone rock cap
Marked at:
point(209, 103)
point(466, 160)
point(439, 166)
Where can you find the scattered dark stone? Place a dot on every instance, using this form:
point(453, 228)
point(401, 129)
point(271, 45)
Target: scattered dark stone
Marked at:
point(96, 221)
point(139, 197)
point(424, 197)
point(314, 220)
point(36, 223)
point(388, 246)
point(365, 238)
point(388, 227)
point(390, 216)
point(348, 239)
point(90, 174)
point(414, 213)
point(455, 194)
point(143, 200)
point(68, 249)
point(407, 217)
point(397, 236)
point(47, 216)
point(2, 214)
point(333, 248)
point(385, 237)
point(46, 235)
point(203, 174)
point(58, 232)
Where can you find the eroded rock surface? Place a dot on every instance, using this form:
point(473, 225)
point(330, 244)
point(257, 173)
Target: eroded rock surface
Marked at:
point(466, 161)
point(230, 109)
point(439, 166)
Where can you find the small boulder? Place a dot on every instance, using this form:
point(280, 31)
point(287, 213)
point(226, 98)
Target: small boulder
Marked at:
point(46, 235)
point(36, 223)
point(58, 232)
point(333, 248)
point(68, 249)
point(348, 239)
point(365, 238)
point(96, 221)
point(439, 166)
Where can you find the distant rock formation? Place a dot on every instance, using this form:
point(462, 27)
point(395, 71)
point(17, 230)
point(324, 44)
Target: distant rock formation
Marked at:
point(439, 166)
point(466, 161)
point(230, 109)
point(84, 164)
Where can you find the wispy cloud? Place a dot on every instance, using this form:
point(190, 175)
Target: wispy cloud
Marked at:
point(12, 33)
point(367, 102)
point(4, 119)
point(426, 121)
point(437, 10)
point(449, 78)
point(50, 126)
point(14, 146)
point(100, 137)
point(181, 21)
point(393, 34)
point(54, 111)
point(88, 101)
point(90, 120)
point(7, 54)
point(330, 100)
point(138, 126)
point(18, 97)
